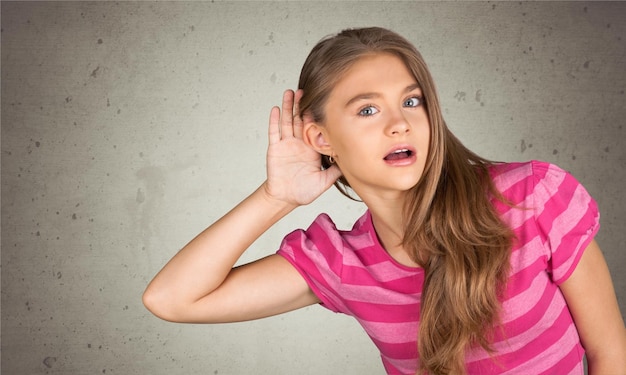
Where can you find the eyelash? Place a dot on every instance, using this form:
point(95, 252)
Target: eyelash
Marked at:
point(420, 101)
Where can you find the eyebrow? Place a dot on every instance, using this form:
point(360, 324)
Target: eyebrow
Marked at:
point(370, 95)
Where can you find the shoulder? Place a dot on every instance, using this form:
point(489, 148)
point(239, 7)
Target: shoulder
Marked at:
point(322, 237)
point(541, 179)
point(320, 253)
point(507, 174)
point(550, 211)
point(545, 197)
point(324, 228)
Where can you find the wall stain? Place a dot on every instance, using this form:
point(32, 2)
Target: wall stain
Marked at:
point(141, 196)
point(478, 97)
point(148, 199)
point(94, 73)
point(49, 361)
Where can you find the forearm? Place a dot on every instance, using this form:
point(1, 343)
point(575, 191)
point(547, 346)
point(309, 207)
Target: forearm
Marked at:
point(203, 264)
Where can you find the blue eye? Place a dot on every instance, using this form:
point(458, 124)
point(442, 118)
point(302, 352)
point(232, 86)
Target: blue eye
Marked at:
point(368, 111)
point(413, 102)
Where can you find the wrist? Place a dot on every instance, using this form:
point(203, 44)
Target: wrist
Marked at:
point(278, 204)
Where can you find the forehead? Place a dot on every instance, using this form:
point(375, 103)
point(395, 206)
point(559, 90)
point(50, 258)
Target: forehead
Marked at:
point(374, 72)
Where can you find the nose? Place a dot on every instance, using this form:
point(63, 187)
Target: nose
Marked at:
point(398, 124)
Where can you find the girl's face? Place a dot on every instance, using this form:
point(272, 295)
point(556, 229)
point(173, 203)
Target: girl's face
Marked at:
point(376, 127)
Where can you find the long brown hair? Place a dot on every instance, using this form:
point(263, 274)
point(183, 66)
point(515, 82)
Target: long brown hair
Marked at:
point(451, 228)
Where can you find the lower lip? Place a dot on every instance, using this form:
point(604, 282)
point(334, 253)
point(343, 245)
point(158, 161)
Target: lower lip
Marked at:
point(402, 162)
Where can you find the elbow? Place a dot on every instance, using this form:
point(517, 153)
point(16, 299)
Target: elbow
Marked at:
point(170, 305)
point(159, 305)
point(608, 360)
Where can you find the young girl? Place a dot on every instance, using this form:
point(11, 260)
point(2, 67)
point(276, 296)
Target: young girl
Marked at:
point(459, 265)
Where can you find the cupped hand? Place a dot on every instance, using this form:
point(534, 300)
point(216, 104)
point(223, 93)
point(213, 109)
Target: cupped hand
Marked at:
point(294, 173)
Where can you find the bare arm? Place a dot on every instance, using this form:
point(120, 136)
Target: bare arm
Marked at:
point(591, 299)
point(199, 283)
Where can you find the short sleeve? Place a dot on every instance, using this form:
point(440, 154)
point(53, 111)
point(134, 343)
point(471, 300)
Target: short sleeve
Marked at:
point(567, 218)
point(317, 253)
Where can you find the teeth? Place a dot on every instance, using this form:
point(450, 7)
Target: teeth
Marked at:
point(399, 154)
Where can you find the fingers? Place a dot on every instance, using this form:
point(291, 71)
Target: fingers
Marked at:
point(274, 128)
point(297, 120)
point(286, 121)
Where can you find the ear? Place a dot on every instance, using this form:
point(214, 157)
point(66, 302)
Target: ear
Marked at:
point(316, 136)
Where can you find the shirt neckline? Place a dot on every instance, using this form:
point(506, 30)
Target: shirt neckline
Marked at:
point(369, 226)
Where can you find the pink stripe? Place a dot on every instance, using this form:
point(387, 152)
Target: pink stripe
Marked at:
point(544, 357)
point(519, 183)
point(382, 272)
point(577, 207)
point(389, 334)
point(331, 257)
point(572, 362)
point(386, 313)
point(321, 273)
point(522, 257)
point(548, 197)
point(515, 173)
point(312, 275)
point(359, 241)
point(522, 336)
point(375, 295)
point(399, 366)
point(572, 239)
point(528, 293)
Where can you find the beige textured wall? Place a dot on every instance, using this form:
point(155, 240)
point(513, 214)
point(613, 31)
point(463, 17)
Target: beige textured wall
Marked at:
point(128, 127)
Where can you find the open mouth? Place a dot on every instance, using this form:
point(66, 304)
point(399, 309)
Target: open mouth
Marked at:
point(399, 154)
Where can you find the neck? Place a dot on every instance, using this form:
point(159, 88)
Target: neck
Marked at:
point(388, 221)
point(389, 225)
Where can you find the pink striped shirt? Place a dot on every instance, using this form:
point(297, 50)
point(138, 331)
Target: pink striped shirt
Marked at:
point(351, 273)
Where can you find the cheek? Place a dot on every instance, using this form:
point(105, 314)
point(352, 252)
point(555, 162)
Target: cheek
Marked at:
point(423, 127)
point(342, 141)
point(350, 151)
point(426, 134)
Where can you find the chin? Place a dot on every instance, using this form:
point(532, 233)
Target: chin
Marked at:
point(407, 185)
point(411, 181)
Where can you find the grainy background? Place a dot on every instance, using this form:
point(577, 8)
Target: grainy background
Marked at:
point(129, 127)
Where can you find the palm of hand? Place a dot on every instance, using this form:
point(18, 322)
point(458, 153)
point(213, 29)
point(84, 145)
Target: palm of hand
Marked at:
point(294, 172)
